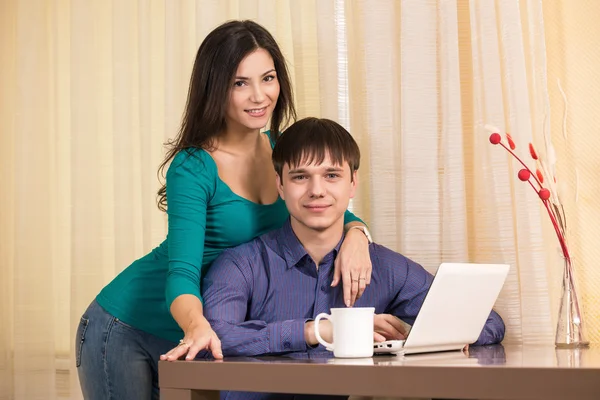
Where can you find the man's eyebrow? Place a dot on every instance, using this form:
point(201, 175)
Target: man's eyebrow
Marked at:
point(297, 171)
point(303, 170)
point(246, 78)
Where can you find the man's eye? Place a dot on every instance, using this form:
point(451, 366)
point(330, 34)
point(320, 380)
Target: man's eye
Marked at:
point(299, 177)
point(332, 176)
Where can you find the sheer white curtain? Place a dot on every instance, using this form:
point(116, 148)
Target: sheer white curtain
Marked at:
point(91, 90)
point(573, 60)
point(424, 79)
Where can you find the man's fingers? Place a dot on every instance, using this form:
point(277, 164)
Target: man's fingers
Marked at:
point(396, 323)
point(377, 337)
point(388, 331)
point(390, 326)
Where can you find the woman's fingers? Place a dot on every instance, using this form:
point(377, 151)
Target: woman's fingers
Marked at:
point(362, 285)
point(195, 347)
point(176, 352)
point(215, 348)
point(190, 347)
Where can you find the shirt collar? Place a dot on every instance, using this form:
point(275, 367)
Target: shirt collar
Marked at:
point(293, 251)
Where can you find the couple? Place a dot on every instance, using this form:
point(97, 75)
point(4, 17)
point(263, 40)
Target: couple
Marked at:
point(221, 193)
point(261, 297)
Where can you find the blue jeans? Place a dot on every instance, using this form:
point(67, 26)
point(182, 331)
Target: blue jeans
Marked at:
point(115, 360)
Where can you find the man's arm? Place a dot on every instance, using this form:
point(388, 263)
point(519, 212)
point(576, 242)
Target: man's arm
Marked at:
point(227, 291)
point(409, 281)
point(493, 330)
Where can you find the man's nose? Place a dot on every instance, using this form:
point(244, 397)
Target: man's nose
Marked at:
point(317, 189)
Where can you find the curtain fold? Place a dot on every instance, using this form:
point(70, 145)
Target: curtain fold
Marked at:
point(92, 89)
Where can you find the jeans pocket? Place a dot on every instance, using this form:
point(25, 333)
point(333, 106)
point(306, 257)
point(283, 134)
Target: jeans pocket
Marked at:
point(83, 324)
point(125, 325)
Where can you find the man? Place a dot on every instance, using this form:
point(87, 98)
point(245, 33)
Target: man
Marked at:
point(261, 297)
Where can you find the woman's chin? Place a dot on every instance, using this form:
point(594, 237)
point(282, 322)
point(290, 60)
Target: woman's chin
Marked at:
point(256, 124)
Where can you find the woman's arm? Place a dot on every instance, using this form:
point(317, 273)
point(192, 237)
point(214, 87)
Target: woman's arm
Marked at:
point(199, 335)
point(353, 263)
point(191, 182)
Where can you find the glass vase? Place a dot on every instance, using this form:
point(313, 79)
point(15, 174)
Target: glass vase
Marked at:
point(569, 330)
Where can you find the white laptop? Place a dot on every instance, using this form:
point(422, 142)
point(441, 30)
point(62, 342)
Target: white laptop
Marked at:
point(455, 309)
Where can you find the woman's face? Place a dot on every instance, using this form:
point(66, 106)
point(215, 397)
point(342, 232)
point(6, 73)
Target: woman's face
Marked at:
point(254, 93)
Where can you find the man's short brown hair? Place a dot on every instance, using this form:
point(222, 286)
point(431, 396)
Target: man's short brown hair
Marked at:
point(310, 140)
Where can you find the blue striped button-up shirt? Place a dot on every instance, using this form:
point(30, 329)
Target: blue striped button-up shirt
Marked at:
point(258, 296)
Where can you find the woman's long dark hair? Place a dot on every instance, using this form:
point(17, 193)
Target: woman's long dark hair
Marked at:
point(212, 78)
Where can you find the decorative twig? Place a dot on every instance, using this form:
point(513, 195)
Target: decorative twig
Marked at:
point(536, 181)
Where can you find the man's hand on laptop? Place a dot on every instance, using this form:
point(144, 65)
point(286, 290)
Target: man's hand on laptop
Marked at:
point(385, 327)
point(388, 327)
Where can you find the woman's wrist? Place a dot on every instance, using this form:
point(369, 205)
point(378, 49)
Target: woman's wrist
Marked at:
point(363, 229)
point(187, 311)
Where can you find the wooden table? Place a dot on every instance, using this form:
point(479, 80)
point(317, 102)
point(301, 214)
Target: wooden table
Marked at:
point(490, 372)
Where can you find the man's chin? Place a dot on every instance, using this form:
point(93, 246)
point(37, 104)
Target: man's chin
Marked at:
point(317, 225)
point(318, 228)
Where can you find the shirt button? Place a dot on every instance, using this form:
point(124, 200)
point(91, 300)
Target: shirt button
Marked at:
point(324, 288)
point(286, 345)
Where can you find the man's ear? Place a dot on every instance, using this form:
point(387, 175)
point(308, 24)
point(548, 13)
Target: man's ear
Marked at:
point(279, 184)
point(354, 184)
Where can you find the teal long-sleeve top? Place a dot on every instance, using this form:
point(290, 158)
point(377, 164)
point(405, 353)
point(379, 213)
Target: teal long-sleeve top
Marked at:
point(205, 217)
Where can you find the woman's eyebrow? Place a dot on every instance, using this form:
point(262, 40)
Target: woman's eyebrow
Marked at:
point(246, 78)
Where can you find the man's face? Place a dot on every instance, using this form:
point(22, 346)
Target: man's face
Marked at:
point(317, 195)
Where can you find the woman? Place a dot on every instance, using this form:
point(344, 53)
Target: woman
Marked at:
point(220, 190)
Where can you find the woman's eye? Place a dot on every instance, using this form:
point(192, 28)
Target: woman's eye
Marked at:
point(269, 78)
point(239, 83)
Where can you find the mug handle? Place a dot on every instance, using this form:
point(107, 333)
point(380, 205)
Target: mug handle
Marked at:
point(328, 346)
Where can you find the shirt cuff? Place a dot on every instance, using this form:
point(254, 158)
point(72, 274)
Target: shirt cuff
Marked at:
point(287, 336)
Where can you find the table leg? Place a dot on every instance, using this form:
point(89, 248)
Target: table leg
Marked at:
point(188, 394)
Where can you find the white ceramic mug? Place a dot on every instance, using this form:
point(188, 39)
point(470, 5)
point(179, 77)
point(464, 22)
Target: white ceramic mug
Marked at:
point(352, 331)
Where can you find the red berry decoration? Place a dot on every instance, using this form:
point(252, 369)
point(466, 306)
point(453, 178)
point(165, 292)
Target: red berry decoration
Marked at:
point(495, 138)
point(524, 175)
point(553, 206)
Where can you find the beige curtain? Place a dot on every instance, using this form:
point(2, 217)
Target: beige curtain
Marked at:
point(91, 89)
point(574, 61)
